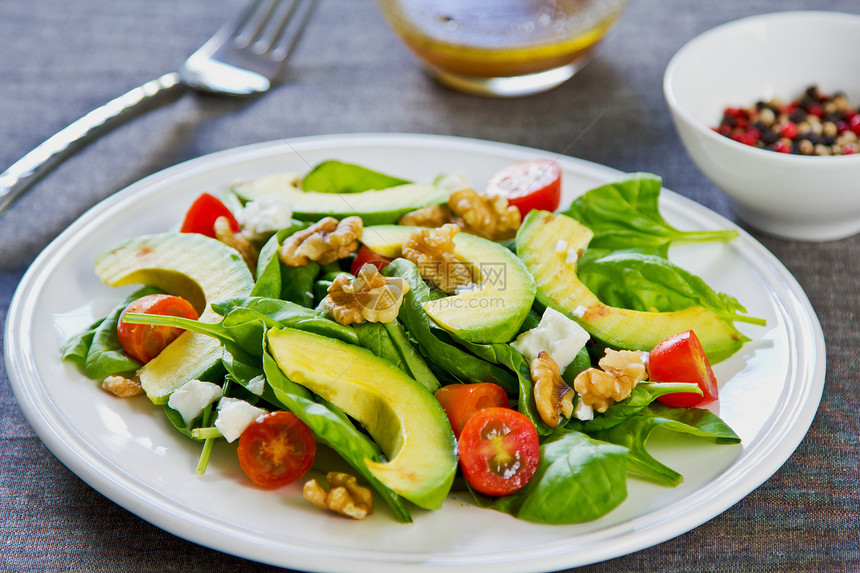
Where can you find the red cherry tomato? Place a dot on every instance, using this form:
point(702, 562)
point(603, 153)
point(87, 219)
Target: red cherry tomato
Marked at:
point(276, 449)
point(681, 358)
point(365, 255)
point(527, 185)
point(499, 451)
point(201, 216)
point(461, 401)
point(143, 342)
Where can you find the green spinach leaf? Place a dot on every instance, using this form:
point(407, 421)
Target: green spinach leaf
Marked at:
point(625, 215)
point(338, 177)
point(633, 433)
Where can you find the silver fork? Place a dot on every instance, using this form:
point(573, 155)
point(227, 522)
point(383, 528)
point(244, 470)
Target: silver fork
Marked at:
point(244, 57)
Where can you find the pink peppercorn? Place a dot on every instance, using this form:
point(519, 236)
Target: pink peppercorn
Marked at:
point(788, 129)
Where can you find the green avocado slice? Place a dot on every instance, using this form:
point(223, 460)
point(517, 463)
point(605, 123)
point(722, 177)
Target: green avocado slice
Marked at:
point(193, 266)
point(491, 312)
point(374, 207)
point(400, 414)
point(550, 245)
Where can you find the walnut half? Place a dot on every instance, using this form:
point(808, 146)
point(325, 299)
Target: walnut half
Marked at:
point(490, 217)
point(371, 296)
point(344, 496)
point(325, 241)
point(622, 370)
point(553, 396)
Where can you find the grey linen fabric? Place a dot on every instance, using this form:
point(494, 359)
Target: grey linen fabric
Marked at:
point(59, 60)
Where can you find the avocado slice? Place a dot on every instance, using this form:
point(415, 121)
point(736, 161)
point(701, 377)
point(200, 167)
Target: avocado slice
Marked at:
point(495, 309)
point(401, 415)
point(374, 207)
point(549, 245)
point(193, 266)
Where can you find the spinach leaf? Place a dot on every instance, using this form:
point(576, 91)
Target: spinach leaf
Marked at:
point(633, 433)
point(276, 280)
point(97, 350)
point(460, 364)
point(415, 363)
point(338, 177)
point(578, 479)
point(652, 283)
point(332, 427)
point(625, 215)
point(374, 337)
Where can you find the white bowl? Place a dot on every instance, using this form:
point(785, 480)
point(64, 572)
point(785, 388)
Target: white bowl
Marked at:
point(759, 58)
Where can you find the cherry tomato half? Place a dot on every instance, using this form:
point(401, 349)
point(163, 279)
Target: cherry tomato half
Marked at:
point(527, 185)
point(143, 342)
point(461, 401)
point(681, 358)
point(499, 451)
point(276, 449)
point(201, 216)
point(365, 255)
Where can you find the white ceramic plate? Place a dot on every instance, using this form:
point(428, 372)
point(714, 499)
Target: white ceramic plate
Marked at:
point(127, 451)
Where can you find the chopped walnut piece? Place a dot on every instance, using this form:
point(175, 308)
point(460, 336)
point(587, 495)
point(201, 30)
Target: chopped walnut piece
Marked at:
point(553, 396)
point(224, 233)
point(622, 370)
point(371, 296)
point(122, 387)
point(485, 216)
point(432, 251)
point(430, 216)
point(344, 497)
point(597, 388)
point(630, 366)
point(325, 241)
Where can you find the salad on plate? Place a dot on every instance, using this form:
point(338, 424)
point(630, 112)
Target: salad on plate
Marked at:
point(433, 336)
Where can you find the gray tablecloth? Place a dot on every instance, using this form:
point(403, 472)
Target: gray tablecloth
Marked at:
point(59, 60)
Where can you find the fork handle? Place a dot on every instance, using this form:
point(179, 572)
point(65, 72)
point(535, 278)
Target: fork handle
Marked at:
point(27, 170)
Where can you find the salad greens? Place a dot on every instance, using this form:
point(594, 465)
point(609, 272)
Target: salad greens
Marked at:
point(584, 464)
point(338, 177)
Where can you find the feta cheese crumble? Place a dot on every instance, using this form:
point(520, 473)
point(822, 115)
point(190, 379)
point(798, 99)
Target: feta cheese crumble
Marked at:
point(556, 334)
point(581, 411)
point(561, 246)
point(256, 385)
point(192, 397)
point(266, 215)
point(234, 416)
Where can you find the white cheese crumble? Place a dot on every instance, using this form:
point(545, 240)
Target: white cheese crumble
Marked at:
point(579, 311)
point(266, 215)
point(234, 416)
point(192, 397)
point(462, 289)
point(256, 385)
point(556, 334)
point(572, 257)
point(581, 411)
point(561, 246)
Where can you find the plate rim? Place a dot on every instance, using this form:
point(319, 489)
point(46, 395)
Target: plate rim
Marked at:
point(83, 463)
